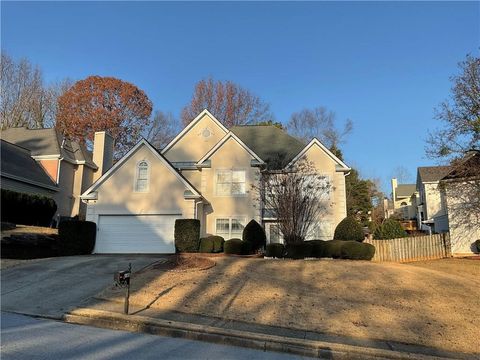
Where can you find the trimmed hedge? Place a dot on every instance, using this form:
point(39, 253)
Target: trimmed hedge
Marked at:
point(77, 237)
point(237, 247)
point(299, 250)
point(211, 244)
point(333, 249)
point(27, 209)
point(187, 235)
point(477, 244)
point(354, 250)
point(275, 250)
point(389, 229)
point(317, 248)
point(254, 234)
point(349, 229)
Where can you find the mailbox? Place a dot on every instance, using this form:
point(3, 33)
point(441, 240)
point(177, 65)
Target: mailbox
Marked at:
point(122, 278)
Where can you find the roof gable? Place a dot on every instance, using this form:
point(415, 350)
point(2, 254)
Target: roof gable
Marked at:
point(230, 135)
point(316, 142)
point(124, 159)
point(190, 126)
point(432, 173)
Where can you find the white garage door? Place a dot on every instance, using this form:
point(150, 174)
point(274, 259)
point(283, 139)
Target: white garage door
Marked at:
point(135, 234)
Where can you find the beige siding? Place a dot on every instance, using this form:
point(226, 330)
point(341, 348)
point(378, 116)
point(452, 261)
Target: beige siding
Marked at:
point(433, 201)
point(165, 195)
point(336, 210)
point(230, 156)
point(64, 197)
point(192, 146)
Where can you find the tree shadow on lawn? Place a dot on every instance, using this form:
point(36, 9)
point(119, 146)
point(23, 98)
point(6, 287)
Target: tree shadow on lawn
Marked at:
point(350, 298)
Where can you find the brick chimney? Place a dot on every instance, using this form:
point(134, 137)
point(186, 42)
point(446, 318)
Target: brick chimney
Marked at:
point(102, 153)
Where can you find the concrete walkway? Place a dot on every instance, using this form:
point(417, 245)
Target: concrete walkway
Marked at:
point(26, 338)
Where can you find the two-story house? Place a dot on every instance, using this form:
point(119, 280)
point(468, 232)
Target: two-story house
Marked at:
point(403, 196)
point(206, 172)
point(69, 167)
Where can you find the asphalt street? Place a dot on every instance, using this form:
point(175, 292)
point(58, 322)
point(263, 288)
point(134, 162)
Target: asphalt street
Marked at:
point(24, 337)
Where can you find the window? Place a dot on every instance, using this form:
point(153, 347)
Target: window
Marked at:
point(230, 228)
point(275, 234)
point(141, 181)
point(230, 182)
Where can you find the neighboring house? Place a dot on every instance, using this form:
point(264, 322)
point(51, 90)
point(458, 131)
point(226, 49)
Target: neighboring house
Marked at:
point(206, 172)
point(19, 172)
point(460, 190)
point(67, 164)
point(402, 199)
point(430, 209)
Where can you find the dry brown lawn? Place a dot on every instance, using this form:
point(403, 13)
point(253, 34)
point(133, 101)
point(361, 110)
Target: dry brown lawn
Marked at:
point(431, 303)
point(25, 229)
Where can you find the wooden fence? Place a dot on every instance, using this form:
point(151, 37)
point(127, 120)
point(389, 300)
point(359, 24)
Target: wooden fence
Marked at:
point(428, 247)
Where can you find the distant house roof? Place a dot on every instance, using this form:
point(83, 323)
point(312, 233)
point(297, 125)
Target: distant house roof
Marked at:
point(48, 142)
point(467, 167)
point(19, 165)
point(432, 173)
point(271, 144)
point(405, 190)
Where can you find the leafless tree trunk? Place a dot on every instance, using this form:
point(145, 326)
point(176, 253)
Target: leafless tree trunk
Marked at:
point(230, 103)
point(162, 129)
point(297, 198)
point(319, 123)
point(25, 100)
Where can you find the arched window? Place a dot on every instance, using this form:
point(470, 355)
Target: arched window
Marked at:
point(141, 181)
point(403, 203)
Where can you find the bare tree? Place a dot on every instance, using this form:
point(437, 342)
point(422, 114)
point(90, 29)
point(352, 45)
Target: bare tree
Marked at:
point(319, 123)
point(297, 198)
point(162, 129)
point(460, 115)
point(402, 174)
point(230, 103)
point(25, 99)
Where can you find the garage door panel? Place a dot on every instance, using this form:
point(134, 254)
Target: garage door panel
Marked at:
point(136, 234)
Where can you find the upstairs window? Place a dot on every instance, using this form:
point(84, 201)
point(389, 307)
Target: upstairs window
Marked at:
point(230, 182)
point(141, 181)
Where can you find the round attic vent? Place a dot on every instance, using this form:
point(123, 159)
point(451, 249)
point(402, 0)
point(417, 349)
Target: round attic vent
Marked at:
point(206, 133)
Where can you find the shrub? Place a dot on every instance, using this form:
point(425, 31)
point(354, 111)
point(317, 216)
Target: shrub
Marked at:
point(218, 242)
point(206, 245)
point(254, 234)
point(233, 246)
point(354, 250)
point(275, 250)
point(389, 229)
point(477, 244)
point(211, 244)
point(77, 237)
point(27, 209)
point(333, 249)
point(187, 235)
point(299, 250)
point(349, 229)
point(317, 248)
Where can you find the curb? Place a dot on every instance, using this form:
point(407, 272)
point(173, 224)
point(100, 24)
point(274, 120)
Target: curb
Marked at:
point(264, 342)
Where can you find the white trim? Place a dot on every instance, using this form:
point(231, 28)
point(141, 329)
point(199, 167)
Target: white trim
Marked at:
point(71, 161)
point(28, 181)
point(192, 124)
point(222, 141)
point(230, 195)
point(230, 217)
point(105, 176)
point(46, 157)
point(136, 177)
point(315, 141)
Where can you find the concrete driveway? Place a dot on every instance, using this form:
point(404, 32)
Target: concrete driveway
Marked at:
point(50, 287)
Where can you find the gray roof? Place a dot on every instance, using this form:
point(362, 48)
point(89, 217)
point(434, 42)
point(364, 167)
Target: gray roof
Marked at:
point(405, 190)
point(17, 162)
point(48, 142)
point(432, 173)
point(271, 144)
point(467, 167)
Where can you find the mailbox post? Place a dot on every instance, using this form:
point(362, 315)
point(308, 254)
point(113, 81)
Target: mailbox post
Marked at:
point(122, 279)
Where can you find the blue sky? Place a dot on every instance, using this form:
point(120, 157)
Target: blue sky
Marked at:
point(385, 65)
